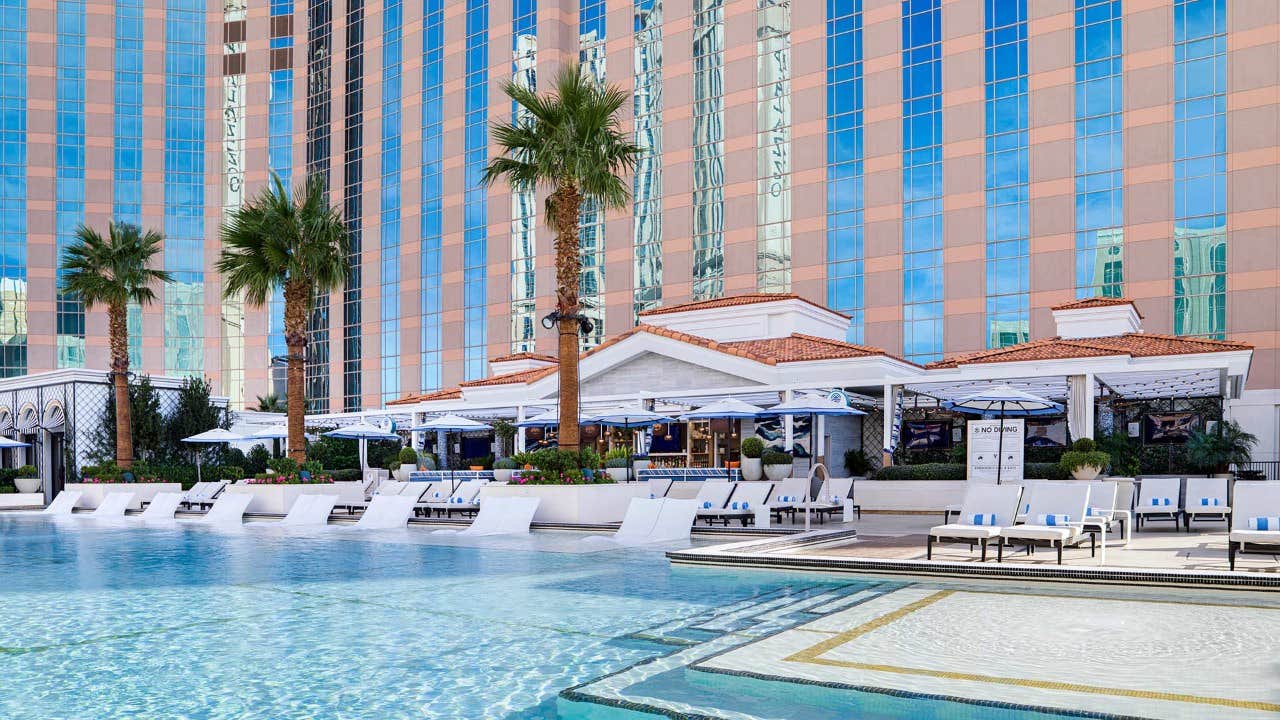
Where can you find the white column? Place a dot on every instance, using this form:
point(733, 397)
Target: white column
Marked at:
point(886, 456)
point(789, 436)
point(1089, 410)
point(520, 417)
point(820, 440)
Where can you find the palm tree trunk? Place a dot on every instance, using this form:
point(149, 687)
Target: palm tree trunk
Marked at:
point(297, 296)
point(118, 330)
point(566, 204)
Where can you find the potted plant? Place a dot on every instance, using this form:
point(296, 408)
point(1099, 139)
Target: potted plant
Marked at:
point(752, 449)
point(503, 468)
point(426, 462)
point(408, 464)
point(776, 463)
point(615, 464)
point(856, 463)
point(1215, 451)
point(28, 479)
point(1084, 460)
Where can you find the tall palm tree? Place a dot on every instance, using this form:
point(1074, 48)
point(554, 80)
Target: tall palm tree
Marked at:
point(114, 271)
point(570, 142)
point(297, 243)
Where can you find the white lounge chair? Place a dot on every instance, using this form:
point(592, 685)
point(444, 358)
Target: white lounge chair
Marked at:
point(1206, 498)
point(986, 509)
point(1158, 499)
point(203, 494)
point(659, 487)
point(652, 521)
point(1255, 520)
point(1055, 518)
point(501, 516)
point(713, 495)
point(113, 505)
point(310, 510)
point(828, 498)
point(386, 512)
point(228, 509)
point(351, 495)
point(64, 504)
point(744, 500)
point(463, 500)
point(162, 507)
point(787, 495)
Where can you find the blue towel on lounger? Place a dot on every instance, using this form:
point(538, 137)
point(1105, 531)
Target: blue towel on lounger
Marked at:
point(988, 519)
point(1053, 520)
point(1210, 502)
point(1160, 501)
point(739, 505)
point(1270, 524)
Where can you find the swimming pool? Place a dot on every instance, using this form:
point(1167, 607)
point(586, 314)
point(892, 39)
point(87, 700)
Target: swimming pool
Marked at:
point(125, 622)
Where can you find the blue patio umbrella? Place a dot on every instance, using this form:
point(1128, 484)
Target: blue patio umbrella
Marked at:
point(549, 418)
point(813, 406)
point(629, 418)
point(450, 423)
point(724, 409)
point(1003, 400)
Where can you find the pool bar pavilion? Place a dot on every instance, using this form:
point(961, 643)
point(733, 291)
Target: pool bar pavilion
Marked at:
point(766, 349)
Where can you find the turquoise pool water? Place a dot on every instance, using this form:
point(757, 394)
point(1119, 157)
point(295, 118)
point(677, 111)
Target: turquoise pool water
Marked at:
point(121, 621)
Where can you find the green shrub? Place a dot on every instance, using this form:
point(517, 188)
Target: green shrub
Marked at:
point(427, 461)
point(923, 471)
point(27, 471)
point(347, 475)
point(775, 457)
point(856, 463)
point(505, 463)
point(1084, 445)
point(314, 467)
point(257, 459)
point(283, 465)
point(1083, 453)
point(617, 454)
point(752, 447)
point(553, 466)
point(230, 473)
point(408, 456)
point(616, 462)
point(1045, 471)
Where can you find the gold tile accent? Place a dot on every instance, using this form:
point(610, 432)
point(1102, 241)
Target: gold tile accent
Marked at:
point(812, 655)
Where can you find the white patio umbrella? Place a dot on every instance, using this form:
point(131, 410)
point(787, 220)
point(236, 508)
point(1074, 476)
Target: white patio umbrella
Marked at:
point(6, 443)
point(1003, 400)
point(450, 423)
point(364, 432)
point(548, 418)
point(629, 418)
point(813, 406)
point(271, 432)
point(216, 436)
point(724, 408)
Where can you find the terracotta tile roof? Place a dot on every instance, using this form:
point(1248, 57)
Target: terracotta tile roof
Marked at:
point(1095, 302)
point(413, 399)
point(733, 301)
point(512, 378)
point(799, 347)
point(1131, 344)
point(523, 356)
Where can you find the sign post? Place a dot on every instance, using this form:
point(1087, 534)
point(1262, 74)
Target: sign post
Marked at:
point(995, 449)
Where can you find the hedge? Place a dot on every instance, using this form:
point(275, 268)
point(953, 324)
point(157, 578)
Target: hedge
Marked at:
point(956, 471)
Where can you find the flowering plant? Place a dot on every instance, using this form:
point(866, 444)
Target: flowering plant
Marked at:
point(286, 479)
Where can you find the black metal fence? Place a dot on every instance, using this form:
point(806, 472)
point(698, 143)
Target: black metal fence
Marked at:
point(1269, 469)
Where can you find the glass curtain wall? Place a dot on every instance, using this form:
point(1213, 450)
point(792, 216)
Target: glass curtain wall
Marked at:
point(1099, 149)
point(13, 187)
point(127, 142)
point(319, 117)
point(1007, 245)
point(773, 146)
point(69, 169)
point(647, 182)
point(1200, 168)
point(708, 149)
point(524, 210)
point(475, 204)
point(353, 209)
point(432, 191)
point(592, 33)
point(922, 277)
point(389, 217)
point(844, 163)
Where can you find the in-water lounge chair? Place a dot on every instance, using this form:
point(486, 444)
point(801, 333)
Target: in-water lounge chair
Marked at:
point(653, 520)
point(310, 510)
point(228, 509)
point(986, 509)
point(501, 516)
point(162, 507)
point(1056, 519)
point(386, 512)
point(113, 505)
point(1255, 519)
point(1206, 499)
point(64, 504)
point(1158, 499)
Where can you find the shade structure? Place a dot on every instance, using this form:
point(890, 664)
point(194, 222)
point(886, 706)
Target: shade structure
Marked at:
point(215, 436)
point(629, 418)
point(1003, 401)
point(270, 432)
point(450, 423)
point(550, 418)
point(811, 405)
point(11, 443)
point(724, 408)
point(364, 432)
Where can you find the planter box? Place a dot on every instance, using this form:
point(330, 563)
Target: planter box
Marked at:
point(92, 493)
point(574, 504)
point(277, 499)
point(908, 495)
point(10, 501)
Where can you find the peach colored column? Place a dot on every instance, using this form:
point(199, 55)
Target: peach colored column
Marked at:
point(42, 254)
point(809, 150)
point(882, 194)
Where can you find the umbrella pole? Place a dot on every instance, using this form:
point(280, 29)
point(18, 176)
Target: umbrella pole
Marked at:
point(198, 477)
point(1000, 446)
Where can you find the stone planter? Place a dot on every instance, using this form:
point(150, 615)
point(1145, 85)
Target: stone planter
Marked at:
point(92, 493)
point(1088, 472)
point(573, 504)
point(27, 485)
point(277, 499)
point(778, 472)
point(502, 476)
point(618, 474)
point(402, 472)
point(751, 469)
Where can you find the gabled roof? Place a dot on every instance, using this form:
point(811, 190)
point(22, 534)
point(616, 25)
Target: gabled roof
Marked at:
point(513, 378)
point(799, 347)
point(1130, 344)
point(523, 356)
point(1096, 302)
point(733, 301)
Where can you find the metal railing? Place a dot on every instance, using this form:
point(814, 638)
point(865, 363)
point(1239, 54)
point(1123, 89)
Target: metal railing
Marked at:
point(1270, 469)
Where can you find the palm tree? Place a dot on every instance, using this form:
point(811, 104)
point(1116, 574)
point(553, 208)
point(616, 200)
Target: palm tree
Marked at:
point(570, 142)
point(296, 243)
point(271, 403)
point(114, 271)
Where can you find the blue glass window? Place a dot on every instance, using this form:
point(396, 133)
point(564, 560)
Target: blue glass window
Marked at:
point(69, 168)
point(475, 204)
point(844, 162)
point(392, 68)
point(1099, 149)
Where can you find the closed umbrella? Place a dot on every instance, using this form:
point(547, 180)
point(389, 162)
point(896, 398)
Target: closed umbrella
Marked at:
point(216, 436)
point(629, 418)
point(1003, 400)
point(813, 406)
point(364, 432)
point(726, 409)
